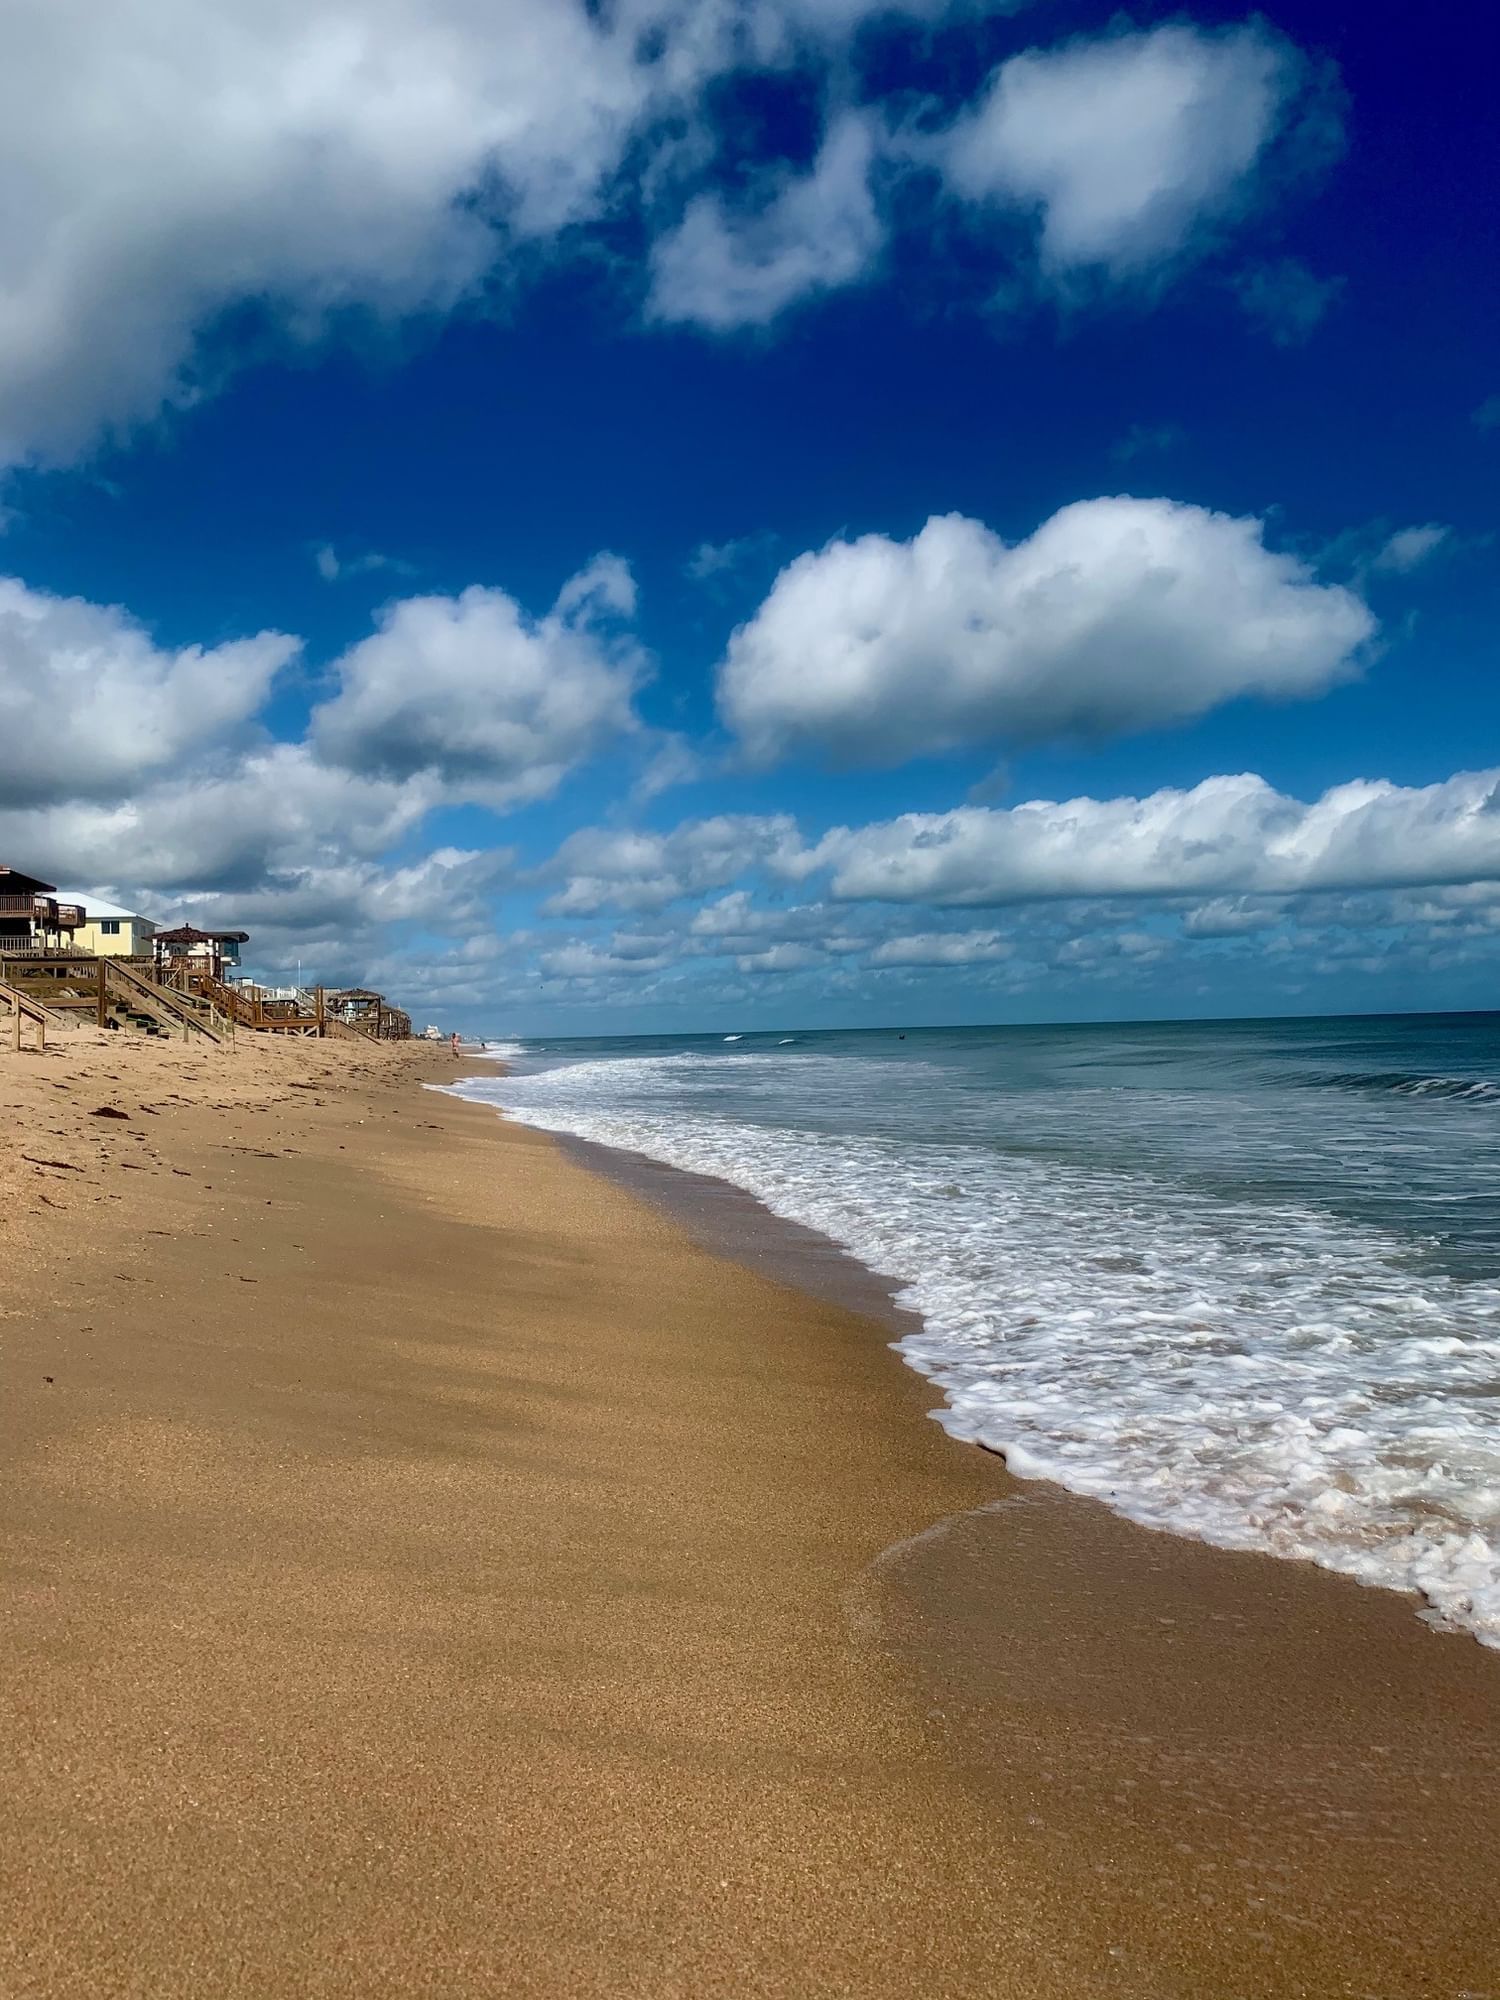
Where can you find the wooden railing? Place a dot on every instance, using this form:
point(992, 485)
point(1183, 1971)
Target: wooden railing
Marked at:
point(76, 982)
point(45, 911)
point(23, 1008)
point(248, 1006)
point(20, 946)
point(174, 1009)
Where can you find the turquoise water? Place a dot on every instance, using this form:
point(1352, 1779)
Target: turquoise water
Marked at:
point(1240, 1280)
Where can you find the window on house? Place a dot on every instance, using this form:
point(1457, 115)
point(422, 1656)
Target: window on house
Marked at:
point(109, 926)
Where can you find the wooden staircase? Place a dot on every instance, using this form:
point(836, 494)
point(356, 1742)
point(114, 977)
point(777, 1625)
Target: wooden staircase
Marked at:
point(114, 995)
point(250, 1008)
point(144, 1001)
point(23, 1009)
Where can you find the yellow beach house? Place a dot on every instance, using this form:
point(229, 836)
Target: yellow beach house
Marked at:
point(111, 932)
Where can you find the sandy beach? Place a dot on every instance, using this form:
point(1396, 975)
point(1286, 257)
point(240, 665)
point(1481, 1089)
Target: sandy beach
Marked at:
point(429, 1568)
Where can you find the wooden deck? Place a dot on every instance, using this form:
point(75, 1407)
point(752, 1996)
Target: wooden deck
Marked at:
point(75, 982)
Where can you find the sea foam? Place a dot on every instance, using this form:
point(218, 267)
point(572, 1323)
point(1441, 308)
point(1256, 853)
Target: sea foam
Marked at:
point(1259, 1375)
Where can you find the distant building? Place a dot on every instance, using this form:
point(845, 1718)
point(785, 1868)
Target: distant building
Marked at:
point(110, 932)
point(32, 917)
point(190, 950)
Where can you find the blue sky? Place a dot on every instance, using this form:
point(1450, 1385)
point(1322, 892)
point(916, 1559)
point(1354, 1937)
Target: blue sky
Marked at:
point(657, 516)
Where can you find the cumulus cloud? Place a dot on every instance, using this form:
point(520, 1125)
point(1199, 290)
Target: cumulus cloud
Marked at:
point(942, 948)
point(785, 957)
point(169, 160)
point(723, 269)
point(1228, 835)
point(1124, 146)
point(592, 961)
point(333, 163)
point(229, 825)
point(1116, 615)
point(736, 922)
point(494, 705)
point(445, 892)
point(90, 704)
point(603, 868)
point(1231, 916)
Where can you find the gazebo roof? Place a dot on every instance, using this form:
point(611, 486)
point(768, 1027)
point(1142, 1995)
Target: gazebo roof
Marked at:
point(188, 934)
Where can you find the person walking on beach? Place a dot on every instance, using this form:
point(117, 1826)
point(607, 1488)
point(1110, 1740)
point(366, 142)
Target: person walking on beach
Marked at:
point(455, 1043)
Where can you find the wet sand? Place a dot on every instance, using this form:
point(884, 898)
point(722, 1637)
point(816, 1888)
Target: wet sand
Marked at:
point(426, 1570)
point(1279, 1781)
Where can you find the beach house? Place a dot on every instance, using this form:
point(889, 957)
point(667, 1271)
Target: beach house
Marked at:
point(111, 932)
point(189, 950)
point(32, 916)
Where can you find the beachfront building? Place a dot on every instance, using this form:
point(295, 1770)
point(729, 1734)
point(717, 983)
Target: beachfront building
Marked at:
point(32, 916)
point(188, 950)
point(370, 1013)
point(111, 932)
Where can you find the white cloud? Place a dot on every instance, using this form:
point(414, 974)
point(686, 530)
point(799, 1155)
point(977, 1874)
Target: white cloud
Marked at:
point(334, 162)
point(1409, 548)
point(590, 961)
point(603, 868)
point(1228, 835)
point(90, 705)
point(833, 16)
point(334, 568)
point(723, 269)
point(786, 957)
point(673, 762)
point(494, 705)
point(942, 948)
point(1117, 614)
point(230, 823)
point(711, 562)
point(1231, 916)
point(444, 891)
point(735, 922)
point(1125, 145)
point(167, 160)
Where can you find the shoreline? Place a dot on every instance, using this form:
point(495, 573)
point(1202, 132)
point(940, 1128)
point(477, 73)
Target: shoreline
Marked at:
point(729, 1220)
point(1249, 1637)
point(426, 1569)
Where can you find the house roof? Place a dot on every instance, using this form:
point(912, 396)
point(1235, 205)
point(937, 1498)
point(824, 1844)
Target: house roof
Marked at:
point(95, 907)
point(15, 881)
point(187, 934)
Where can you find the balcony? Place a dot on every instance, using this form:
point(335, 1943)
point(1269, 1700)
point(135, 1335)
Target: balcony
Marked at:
point(45, 912)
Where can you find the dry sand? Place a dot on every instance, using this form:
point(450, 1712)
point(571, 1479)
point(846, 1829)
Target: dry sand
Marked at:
point(425, 1571)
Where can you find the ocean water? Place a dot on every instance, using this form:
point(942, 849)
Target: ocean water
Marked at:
point(1239, 1280)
